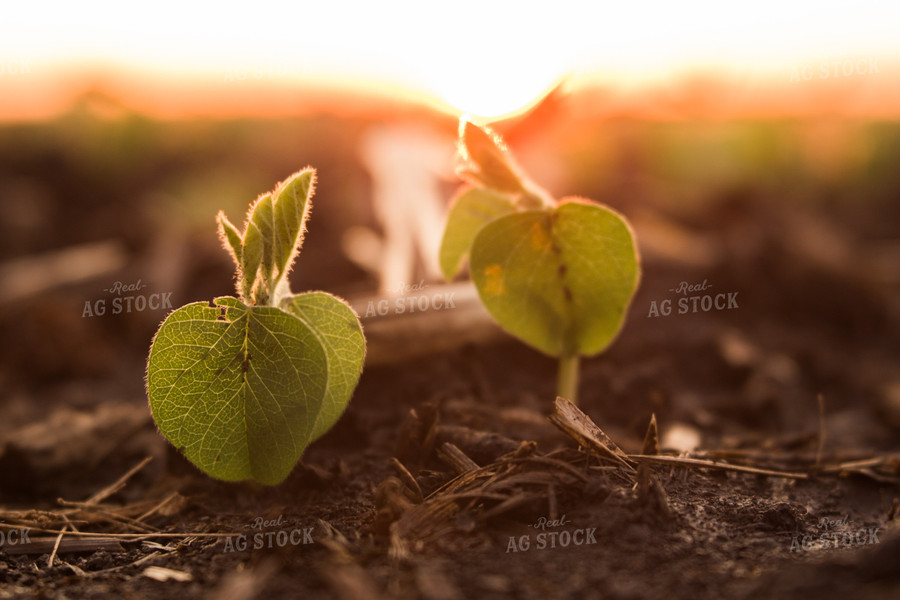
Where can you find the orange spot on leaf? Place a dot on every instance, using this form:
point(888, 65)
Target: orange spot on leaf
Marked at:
point(493, 280)
point(539, 237)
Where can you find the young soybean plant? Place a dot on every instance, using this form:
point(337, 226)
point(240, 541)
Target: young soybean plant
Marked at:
point(243, 385)
point(557, 274)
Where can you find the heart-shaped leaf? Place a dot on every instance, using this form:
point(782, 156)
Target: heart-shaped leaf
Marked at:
point(340, 334)
point(560, 279)
point(237, 388)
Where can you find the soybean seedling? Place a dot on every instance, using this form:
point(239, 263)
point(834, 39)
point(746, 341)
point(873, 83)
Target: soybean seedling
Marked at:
point(557, 274)
point(243, 385)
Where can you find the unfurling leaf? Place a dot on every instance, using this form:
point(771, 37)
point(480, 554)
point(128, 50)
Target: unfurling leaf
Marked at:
point(251, 259)
point(290, 205)
point(489, 161)
point(231, 238)
point(262, 220)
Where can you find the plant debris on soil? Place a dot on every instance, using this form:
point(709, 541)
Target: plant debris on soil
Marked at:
point(459, 528)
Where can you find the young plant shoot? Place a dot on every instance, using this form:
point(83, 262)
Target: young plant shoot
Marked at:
point(557, 274)
point(243, 385)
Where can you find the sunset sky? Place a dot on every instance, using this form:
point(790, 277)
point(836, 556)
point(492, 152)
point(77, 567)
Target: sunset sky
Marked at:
point(486, 58)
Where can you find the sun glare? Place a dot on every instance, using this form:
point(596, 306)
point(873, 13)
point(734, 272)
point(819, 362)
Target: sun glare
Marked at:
point(488, 59)
point(491, 102)
point(492, 89)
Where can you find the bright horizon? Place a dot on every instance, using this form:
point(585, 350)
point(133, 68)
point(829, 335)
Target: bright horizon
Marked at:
point(483, 58)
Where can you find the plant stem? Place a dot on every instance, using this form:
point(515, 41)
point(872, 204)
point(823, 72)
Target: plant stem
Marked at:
point(567, 379)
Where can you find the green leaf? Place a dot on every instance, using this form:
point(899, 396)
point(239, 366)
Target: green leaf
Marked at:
point(237, 388)
point(231, 238)
point(470, 211)
point(560, 280)
point(262, 219)
point(338, 329)
point(251, 259)
point(290, 207)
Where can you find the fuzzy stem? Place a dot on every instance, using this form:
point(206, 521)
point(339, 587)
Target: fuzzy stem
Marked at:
point(567, 379)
